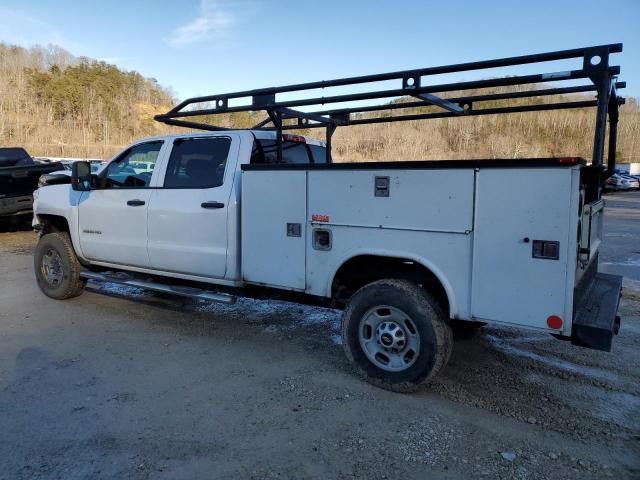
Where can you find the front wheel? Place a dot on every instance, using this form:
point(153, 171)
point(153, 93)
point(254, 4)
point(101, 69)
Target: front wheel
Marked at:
point(396, 335)
point(56, 267)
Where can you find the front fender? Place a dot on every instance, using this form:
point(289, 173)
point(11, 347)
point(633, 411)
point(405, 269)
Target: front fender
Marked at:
point(60, 201)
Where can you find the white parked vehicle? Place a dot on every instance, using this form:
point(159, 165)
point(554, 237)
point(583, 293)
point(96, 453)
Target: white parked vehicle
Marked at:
point(409, 250)
point(620, 183)
point(96, 165)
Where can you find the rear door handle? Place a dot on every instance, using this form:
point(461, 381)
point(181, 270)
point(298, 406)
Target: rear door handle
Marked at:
point(212, 205)
point(135, 203)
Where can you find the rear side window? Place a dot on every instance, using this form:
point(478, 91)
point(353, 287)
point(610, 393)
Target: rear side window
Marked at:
point(197, 163)
point(318, 153)
point(264, 151)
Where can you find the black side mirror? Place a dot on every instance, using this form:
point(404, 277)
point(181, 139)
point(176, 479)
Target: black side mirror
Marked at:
point(81, 176)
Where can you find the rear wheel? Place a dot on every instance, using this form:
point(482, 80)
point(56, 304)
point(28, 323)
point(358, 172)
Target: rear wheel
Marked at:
point(395, 334)
point(56, 267)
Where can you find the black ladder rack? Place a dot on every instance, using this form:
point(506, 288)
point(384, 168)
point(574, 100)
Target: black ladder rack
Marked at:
point(599, 76)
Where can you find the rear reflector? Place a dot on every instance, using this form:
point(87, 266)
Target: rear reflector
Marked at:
point(287, 137)
point(554, 322)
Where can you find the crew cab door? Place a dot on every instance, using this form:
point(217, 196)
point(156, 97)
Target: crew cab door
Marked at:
point(188, 214)
point(113, 216)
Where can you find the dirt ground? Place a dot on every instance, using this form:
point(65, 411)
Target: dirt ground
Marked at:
point(119, 383)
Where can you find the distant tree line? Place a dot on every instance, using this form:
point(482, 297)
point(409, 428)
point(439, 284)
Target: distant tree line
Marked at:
point(558, 133)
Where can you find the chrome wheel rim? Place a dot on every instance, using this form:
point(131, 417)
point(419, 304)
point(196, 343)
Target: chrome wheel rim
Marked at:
point(389, 338)
point(51, 268)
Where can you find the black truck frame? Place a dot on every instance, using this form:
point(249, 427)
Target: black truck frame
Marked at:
point(598, 74)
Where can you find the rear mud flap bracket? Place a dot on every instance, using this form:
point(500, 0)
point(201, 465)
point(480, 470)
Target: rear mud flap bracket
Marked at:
point(596, 319)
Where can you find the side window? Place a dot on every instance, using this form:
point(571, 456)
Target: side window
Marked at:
point(318, 153)
point(133, 168)
point(197, 162)
point(264, 151)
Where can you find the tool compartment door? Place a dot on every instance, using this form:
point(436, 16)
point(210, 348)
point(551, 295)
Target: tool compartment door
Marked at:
point(515, 210)
point(274, 209)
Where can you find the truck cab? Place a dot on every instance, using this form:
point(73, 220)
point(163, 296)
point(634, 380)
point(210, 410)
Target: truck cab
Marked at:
point(170, 204)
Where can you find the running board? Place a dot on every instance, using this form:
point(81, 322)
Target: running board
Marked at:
point(125, 279)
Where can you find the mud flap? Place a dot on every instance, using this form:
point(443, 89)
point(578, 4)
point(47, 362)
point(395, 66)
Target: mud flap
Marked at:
point(596, 318)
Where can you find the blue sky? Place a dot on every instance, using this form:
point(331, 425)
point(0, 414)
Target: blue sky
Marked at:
point(213, 46)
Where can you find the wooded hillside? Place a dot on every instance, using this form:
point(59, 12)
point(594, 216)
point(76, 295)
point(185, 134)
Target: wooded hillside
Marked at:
point(557, 133)
point(55, 104)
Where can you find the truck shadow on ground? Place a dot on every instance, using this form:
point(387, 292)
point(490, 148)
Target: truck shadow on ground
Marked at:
point(533, 378)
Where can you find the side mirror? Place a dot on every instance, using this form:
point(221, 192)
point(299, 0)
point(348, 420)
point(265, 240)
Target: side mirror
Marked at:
point(81, 176)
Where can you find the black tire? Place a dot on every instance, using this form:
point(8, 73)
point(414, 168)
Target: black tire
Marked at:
point(426, 318)
point(463, 329)
point(57, 246)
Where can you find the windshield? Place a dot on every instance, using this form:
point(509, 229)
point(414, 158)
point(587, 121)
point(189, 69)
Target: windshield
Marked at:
point(11, 156)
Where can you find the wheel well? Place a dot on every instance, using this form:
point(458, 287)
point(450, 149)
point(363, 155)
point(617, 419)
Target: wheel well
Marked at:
point(357, 272)
point(53, 223)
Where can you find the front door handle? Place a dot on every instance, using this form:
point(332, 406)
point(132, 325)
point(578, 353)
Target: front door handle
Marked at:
point(135, 203)
point(212, 205)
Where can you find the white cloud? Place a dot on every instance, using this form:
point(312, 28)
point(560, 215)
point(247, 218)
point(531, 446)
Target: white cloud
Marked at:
point(214, 22)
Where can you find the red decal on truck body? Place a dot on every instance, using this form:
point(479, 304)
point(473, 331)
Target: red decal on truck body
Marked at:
point(320, 218)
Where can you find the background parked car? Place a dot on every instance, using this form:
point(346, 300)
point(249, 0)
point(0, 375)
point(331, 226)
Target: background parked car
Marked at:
point(620, 182)
point(19, 174)
point(628, 175)
point(96, 165)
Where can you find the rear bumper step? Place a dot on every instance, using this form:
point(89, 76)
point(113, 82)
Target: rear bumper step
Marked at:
point(125, 279)
point(596, 320)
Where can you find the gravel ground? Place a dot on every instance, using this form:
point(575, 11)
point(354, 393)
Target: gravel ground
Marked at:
point(120, 383)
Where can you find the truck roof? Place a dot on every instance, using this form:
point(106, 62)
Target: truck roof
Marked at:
point(258, 134)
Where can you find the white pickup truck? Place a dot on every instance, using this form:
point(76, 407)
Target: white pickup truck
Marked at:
point(409, 250)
